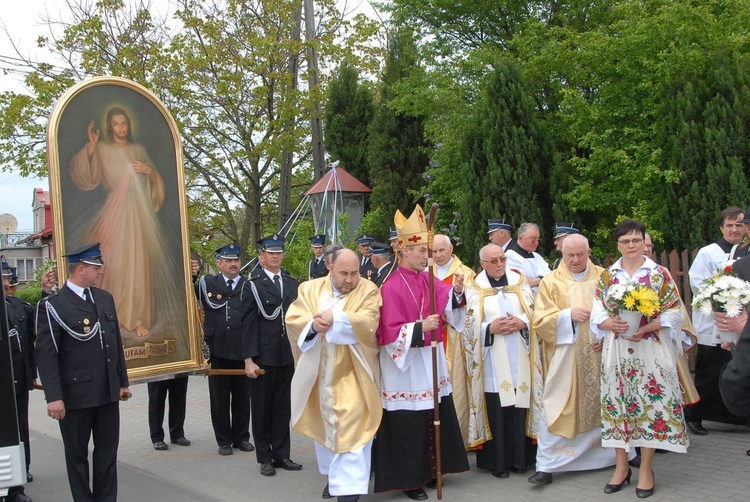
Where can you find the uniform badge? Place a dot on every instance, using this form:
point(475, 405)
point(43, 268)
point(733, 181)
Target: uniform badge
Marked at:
point(210, 295)
point(86, 329)
point(86, 322)
point(218, 297)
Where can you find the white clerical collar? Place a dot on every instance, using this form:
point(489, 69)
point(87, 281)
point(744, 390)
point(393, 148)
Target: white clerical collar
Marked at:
point(580, 276)
point(442, 270)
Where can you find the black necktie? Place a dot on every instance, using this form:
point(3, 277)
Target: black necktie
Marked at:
point(87, 297)
point(277, 282)
point(230, 282)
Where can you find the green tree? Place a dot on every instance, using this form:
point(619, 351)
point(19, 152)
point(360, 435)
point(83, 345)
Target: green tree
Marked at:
point(705, 151)
point(507, 157)
point(348, 112)
point(224, 73)
point(397, 151)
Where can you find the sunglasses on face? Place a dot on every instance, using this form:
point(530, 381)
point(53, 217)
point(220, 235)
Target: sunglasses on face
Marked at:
point(495, 261)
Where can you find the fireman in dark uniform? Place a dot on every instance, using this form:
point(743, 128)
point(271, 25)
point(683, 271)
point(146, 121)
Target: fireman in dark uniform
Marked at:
point(21, 336)
point(317, 266)
point(225, 298)
point(366, 268)
point(266, 347)
point(82, 366)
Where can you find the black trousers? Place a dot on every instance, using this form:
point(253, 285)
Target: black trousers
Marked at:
point(103, 422)
point(157, 397)
point(509, 446)
point(22, 405)
point(272, 412)
point(230, 403)
point(708, 365)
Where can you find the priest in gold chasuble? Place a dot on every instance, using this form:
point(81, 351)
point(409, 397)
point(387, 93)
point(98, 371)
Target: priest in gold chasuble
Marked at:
point(335, 394)
point(569, 428)
point(446, 266)
point(500, 356)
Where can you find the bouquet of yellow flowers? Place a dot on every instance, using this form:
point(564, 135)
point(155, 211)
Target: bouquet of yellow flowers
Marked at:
point(635, 297)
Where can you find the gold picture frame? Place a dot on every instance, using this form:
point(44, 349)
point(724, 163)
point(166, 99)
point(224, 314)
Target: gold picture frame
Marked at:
point(117, 177)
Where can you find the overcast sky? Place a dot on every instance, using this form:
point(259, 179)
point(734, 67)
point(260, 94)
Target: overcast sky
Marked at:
point(21, 22)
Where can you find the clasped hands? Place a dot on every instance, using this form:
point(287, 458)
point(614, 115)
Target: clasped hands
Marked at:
point(506, 325)
point(322, 321)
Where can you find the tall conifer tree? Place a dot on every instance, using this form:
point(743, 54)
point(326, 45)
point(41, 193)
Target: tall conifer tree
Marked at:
point(396, 151)
point(348, 113)
point(705, 151)
point(507, 157)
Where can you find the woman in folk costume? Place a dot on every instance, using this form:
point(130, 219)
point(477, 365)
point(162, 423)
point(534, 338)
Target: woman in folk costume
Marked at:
point(404, 450)
point(500, 355)
point(642, 403)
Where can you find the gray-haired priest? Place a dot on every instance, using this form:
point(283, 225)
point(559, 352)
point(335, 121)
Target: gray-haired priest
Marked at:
point(499, 359)
point(570, 421)
point(335, 394)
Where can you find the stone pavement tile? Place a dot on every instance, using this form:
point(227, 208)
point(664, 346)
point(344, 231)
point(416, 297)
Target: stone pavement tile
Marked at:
point(714, 462)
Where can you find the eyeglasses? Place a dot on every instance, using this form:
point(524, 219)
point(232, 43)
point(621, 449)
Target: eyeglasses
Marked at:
point(532, 239)
point(628, 242)
point(494, 261)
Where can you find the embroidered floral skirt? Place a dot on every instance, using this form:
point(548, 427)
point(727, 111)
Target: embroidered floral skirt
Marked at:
point(641, 396)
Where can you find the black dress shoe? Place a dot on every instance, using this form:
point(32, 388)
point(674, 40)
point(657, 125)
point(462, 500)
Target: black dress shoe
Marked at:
point(696, 427)
point(225, 449)
point(348, 498)
point(643, 493)
point(182, 441)
point(266, 469)
point(636, 462)
point(611, 488)
point(287, 465)
point(18, 497)
point(29, 477)
point(517, 470)
point(417, 494)
point(160, 445)
point(541, 478)
point(244, 446)
point(326, 493)
point(432, 485)
point(502, 475)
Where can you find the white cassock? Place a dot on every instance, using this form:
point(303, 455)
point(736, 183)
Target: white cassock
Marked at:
point(707, 263)
point(536, 266)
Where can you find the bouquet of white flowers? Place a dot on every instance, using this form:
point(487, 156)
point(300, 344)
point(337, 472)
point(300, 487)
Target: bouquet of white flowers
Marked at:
point(722, 293)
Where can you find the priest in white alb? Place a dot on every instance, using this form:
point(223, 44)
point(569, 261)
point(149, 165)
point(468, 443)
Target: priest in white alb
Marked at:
point(499, 358)
point(569, 432)
point(335, 395)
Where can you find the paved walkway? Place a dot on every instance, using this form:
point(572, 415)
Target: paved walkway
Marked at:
point(716, 467)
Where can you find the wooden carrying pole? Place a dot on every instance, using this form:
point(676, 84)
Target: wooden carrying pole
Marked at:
point(225, 372)
point(433, 345)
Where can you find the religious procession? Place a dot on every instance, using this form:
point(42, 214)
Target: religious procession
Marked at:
point(403, 365)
